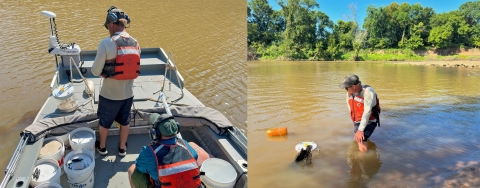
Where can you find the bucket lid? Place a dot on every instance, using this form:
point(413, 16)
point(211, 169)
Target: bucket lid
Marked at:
point(47, 171)
point(82, 137)
point(51, 147)
point(79, 162)
point(63, 91)
point(304, 145)
point(219, 171)
point(49, 185)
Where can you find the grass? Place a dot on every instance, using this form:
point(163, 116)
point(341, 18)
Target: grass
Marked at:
point(275, 53)
point(384, 55)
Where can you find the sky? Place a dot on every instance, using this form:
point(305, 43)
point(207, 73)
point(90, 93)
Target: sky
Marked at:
point(337, 9)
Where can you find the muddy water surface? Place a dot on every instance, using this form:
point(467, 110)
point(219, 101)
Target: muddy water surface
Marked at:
point(429, 130)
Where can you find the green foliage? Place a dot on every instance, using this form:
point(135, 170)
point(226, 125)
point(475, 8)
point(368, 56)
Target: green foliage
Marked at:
point(332, 49)
point(415, 41)
point(264, 24)
point(344, 33)
point(301, 31)
point(439, 36)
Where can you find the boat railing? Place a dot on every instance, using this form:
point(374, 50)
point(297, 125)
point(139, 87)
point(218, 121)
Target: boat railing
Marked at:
point(10, 169)
point(238, 138)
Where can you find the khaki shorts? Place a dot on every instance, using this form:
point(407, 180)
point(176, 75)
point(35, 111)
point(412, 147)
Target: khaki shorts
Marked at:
point(141, 180)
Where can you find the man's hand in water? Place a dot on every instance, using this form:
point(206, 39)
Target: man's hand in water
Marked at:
point(359, 136)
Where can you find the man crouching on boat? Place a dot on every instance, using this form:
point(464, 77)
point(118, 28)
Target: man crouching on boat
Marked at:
point(364, 109)
point(166, 162)
point(118, 63)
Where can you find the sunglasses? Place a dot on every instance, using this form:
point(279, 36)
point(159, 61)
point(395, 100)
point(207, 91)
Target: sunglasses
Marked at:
point(106, 25)
point(348, 87)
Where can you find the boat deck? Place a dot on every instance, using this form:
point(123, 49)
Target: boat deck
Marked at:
point(111, 170)
point(149, 81)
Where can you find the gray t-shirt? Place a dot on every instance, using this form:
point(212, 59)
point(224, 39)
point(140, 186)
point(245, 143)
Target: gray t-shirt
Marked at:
point(111, 89)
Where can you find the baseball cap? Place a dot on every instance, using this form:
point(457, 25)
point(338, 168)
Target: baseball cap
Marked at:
point(351, 79)
point(164, 123)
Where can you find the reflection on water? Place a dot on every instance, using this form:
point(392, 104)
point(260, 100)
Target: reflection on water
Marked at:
point(364, 165)
point(207, 40)
point(430, 124)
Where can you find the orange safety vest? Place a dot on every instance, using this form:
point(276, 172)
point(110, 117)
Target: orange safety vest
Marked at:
point(126, 65)
point(357, 107)
point(178, 168)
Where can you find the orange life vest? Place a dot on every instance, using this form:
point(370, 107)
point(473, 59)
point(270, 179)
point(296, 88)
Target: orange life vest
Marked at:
point(357, 107)
point(126, 65)
point(178, 168)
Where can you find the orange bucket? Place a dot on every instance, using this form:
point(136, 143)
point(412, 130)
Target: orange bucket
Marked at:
point(278, 131)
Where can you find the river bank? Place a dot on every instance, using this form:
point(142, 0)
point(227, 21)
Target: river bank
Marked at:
point(465, 56)
point(454, 63)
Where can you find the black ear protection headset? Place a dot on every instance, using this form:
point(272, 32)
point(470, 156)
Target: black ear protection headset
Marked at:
point(114, 16)
point(155, 134)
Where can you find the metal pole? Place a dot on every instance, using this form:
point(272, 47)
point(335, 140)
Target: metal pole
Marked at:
point(167, 109)
point(51, 27)
point(165, 104)
point(13, 162)
point(14, 154)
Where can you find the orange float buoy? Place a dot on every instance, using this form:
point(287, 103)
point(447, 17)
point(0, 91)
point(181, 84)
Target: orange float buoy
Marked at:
point(278, 131)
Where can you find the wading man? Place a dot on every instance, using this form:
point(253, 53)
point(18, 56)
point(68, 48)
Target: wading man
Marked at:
point(364, 109)
point(118, 63)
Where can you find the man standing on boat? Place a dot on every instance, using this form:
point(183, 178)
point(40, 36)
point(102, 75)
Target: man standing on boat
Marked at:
point(167, 161)
point(364, 108)
point(118, 63)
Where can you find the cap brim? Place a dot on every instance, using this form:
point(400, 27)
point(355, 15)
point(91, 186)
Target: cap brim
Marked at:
point(154, 117)
point(343, 85)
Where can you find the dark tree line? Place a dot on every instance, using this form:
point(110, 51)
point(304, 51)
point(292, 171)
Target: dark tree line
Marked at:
point(300, 31)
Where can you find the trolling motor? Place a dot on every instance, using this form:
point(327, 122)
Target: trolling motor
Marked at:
point(56, 48)
point(69, 54)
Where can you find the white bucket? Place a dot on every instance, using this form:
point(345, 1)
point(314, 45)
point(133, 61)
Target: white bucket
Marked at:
point(49, 171)
point(84, 174)
point(53, 148)
point(49, 185)
point(64, 137)
point(218, 173)
point(82, 138)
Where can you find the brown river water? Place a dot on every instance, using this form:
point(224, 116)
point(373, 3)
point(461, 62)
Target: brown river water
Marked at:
point(430, 124)
point(207, 39)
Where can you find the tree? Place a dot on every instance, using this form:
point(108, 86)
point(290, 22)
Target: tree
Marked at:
point(449, 29)
point(415, 41)
point(375, 22)
point(359, 35)
point(304, 27)
point(471, 13)
point(403, 18)
point(264, 23)
point(332, 49)
point(344, 33)
point(440, 36)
